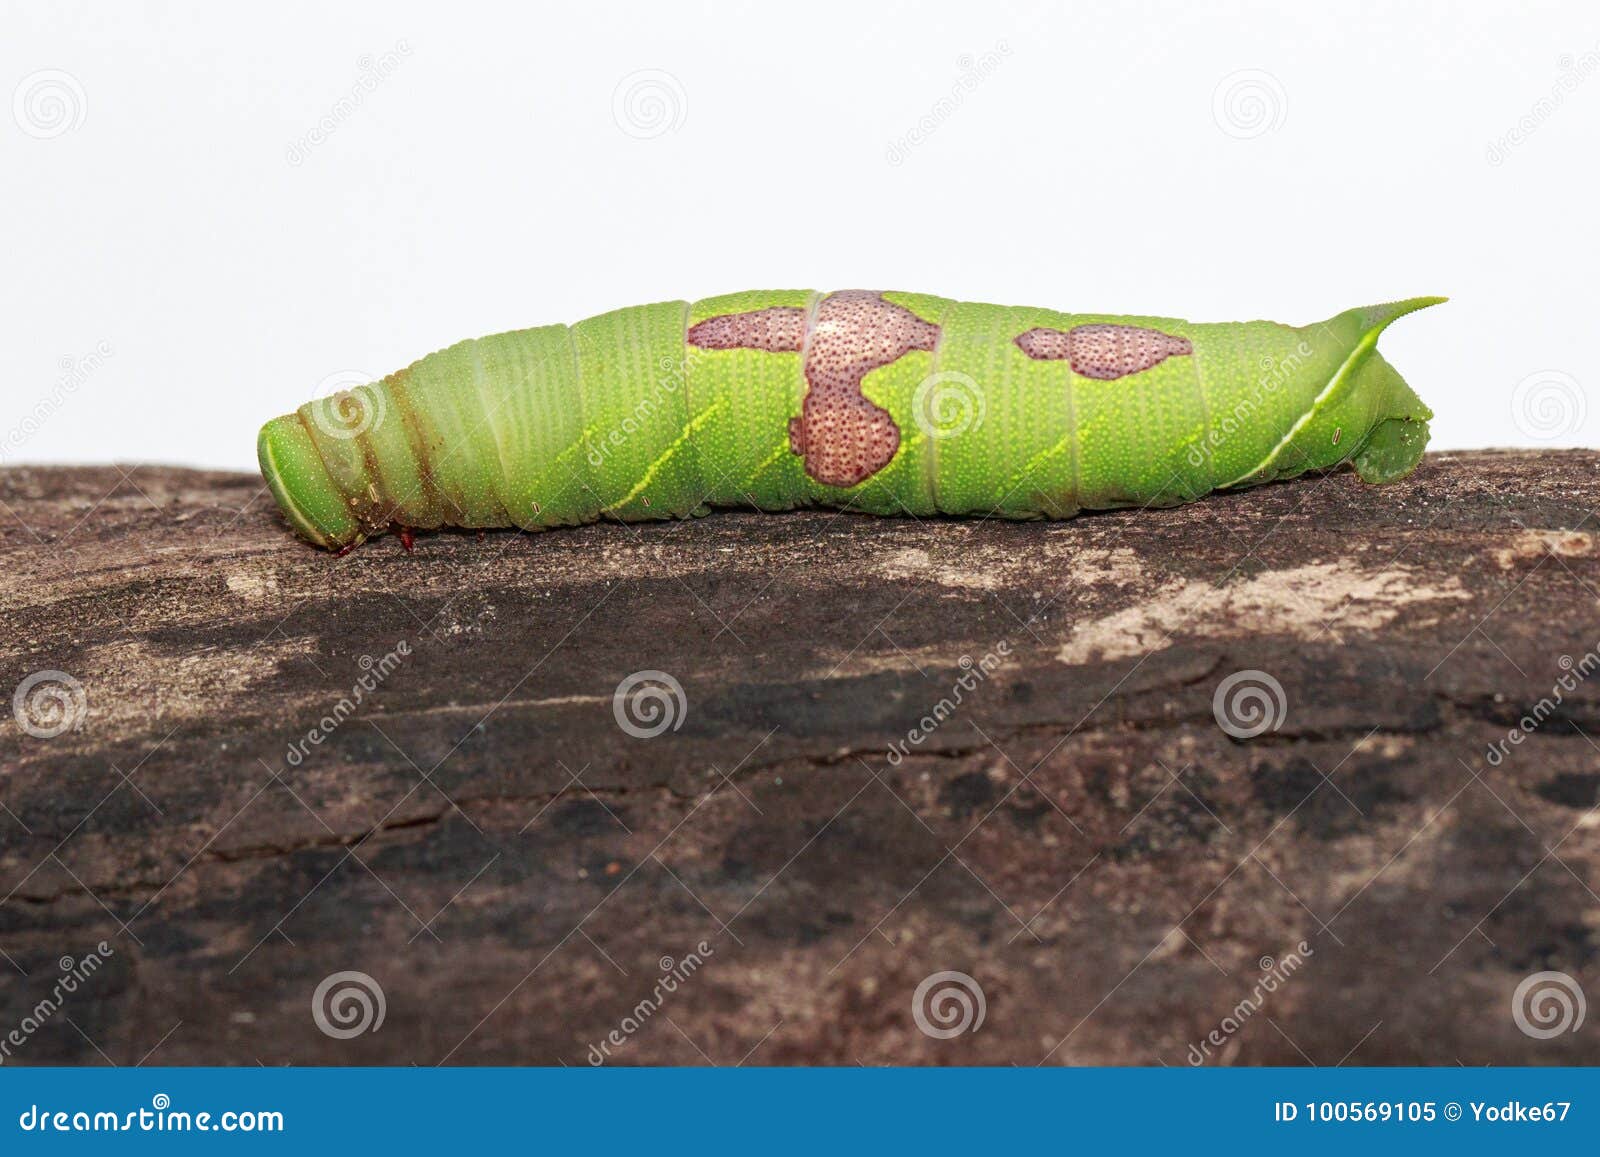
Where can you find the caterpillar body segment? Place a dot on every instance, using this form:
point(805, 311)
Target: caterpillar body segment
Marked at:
point(882, 402)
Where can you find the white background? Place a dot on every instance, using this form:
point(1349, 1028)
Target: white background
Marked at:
point(179, 210)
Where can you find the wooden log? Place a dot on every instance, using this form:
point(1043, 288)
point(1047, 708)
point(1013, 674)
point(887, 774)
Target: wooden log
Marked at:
point(901, 748)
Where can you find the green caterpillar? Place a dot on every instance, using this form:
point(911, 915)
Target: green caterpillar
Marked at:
point(888, 403)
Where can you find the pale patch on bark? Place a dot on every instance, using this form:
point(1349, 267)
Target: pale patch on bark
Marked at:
point(253, 587)
point(208, 683)
point(1532, 545)
point(981, 575)
point(1326, 601)
point(1118, 565)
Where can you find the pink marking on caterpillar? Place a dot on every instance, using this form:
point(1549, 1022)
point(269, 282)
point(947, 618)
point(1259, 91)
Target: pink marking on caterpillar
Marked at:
point(843, 437)
point(1103, 352)
point(780, 329)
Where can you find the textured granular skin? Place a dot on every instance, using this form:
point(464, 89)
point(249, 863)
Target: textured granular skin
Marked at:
point(843, 437)
point(1104, 352)
point(786, 398)
point(780, 329)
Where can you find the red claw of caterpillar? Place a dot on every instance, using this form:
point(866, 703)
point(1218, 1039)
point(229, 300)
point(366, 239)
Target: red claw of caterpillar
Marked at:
point(406, 539)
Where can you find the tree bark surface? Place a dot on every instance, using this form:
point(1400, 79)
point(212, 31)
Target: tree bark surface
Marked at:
point(901, 748)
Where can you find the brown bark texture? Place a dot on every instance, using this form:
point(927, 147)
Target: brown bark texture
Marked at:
point(1303, 774)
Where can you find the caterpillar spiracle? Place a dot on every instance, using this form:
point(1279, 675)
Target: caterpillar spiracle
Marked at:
point(881, 402)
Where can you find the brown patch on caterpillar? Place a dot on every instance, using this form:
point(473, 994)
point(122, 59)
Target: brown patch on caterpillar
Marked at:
point(362, 503)
point(781, 329)
point(1103, 351)
point(843, 437)
point(387, 504)
point(399, 386)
